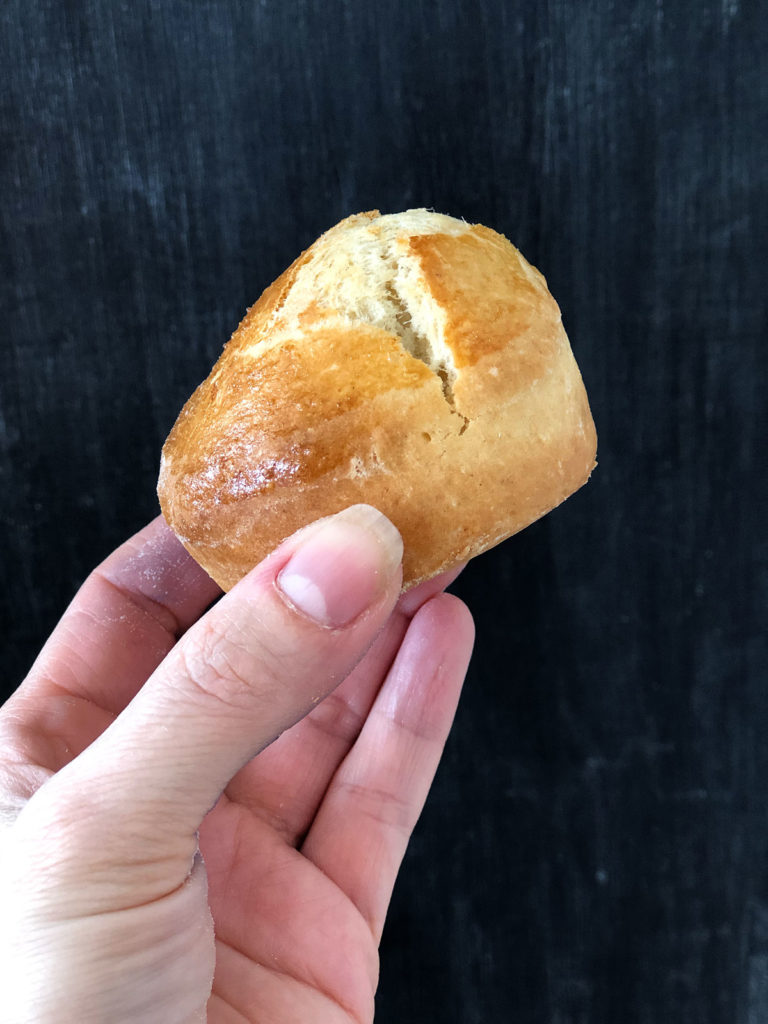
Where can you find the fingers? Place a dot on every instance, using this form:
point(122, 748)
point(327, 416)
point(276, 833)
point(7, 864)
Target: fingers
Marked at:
point(285, 785)
point(122, 622)
point(261, 658)
point(118, 628)
point(361, 831)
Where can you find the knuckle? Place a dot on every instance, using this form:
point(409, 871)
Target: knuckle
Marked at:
point(18, 783)
point(335, 718)
point(381, 806)
point(227, 667)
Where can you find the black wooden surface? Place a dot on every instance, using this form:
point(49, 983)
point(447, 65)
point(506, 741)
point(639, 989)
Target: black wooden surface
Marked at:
point(596, 846)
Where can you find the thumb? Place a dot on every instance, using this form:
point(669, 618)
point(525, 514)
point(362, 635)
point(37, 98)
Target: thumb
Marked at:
point(274, 646)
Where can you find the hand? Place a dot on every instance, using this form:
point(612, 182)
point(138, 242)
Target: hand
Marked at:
point(150, 864)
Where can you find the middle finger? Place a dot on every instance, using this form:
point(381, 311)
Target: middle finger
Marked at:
point(285, 784)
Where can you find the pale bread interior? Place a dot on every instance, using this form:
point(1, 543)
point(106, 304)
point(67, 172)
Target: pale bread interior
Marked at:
point(363, 270)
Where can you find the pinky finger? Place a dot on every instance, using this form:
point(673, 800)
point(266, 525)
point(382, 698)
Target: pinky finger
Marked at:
point(361, 830)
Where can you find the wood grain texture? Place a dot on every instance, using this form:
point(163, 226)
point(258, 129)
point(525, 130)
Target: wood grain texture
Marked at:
point(596, 847)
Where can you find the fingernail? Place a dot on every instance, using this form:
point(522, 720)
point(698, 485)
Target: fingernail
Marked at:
point(342, 565)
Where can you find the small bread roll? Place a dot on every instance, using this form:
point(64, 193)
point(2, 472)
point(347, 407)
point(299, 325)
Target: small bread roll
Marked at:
point(410, 361)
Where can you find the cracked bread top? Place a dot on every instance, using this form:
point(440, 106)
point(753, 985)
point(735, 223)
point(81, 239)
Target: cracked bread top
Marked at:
point(410, 361)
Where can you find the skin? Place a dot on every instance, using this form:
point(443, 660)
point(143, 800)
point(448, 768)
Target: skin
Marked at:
point(204, 809)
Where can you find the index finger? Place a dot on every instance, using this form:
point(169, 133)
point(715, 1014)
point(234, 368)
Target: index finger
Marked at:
point(122, 622)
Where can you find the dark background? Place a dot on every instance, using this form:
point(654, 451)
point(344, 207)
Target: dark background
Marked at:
point(596, 846)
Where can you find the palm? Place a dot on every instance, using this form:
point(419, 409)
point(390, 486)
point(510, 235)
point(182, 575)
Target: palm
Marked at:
point(292, 939)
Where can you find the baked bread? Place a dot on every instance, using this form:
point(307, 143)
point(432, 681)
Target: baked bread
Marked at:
point(412, 362)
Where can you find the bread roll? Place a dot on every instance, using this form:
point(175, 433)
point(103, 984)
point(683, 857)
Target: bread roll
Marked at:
point(412, 362)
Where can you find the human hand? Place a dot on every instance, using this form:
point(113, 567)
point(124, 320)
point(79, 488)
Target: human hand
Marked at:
point(150, 866)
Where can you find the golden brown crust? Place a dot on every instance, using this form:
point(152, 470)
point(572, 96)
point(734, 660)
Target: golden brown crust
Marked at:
point(336, 411)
